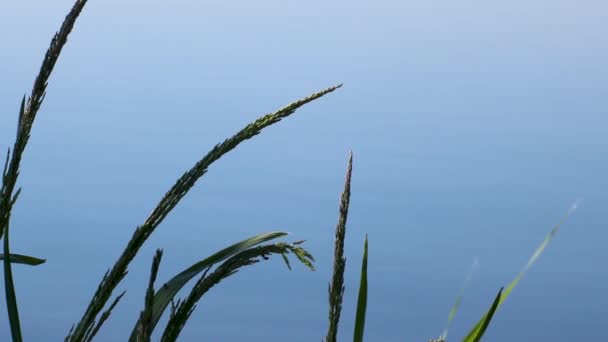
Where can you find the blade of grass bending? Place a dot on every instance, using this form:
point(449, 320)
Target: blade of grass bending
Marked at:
point(170, 200)
point(24, 259)
point(248, 257)
point(9, 287)
point(167, 292)
point(486, 320)
point(362, 300)
point(529, 264)
point(336, 287)
point(454, 310)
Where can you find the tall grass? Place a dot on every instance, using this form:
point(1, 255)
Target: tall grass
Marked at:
point(210, 270)
point(336, 287)
point(231, 259)
point(116, 274)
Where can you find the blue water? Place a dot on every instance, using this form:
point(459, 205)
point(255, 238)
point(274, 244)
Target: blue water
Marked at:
point(474, 125)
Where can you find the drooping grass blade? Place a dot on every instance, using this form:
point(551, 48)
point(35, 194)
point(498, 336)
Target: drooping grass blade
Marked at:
point(362, 300)
point(24, 259)
point(167, 292)
point(529, 264)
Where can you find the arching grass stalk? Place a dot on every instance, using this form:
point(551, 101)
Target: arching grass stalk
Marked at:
point(169, 201)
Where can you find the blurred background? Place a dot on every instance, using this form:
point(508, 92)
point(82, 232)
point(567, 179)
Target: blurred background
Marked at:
point(474, 125)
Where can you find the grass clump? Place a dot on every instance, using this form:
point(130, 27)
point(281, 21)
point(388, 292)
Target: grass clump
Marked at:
point(211, 270)
point(233, 258)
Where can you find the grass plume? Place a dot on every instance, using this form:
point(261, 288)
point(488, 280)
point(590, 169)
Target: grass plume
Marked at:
point(145, 328)
point(27, 114)
point(28, 111)
point(336, 287)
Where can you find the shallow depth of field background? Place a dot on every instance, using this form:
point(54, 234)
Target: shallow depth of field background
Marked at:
point(474, 126)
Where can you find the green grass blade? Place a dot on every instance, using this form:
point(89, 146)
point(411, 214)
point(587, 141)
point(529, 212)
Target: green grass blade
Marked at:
point(167, 292)
point(24, 259)
point(485, 322)
point(9, 287)
point(362, 300)
point(525, 269)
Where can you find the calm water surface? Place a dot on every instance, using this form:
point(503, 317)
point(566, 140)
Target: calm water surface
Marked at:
point(475, 125)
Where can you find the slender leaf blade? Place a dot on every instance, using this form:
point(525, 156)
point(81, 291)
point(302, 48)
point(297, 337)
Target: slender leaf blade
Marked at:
point(486, 320)
point(24, 259)
point(362, 300)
